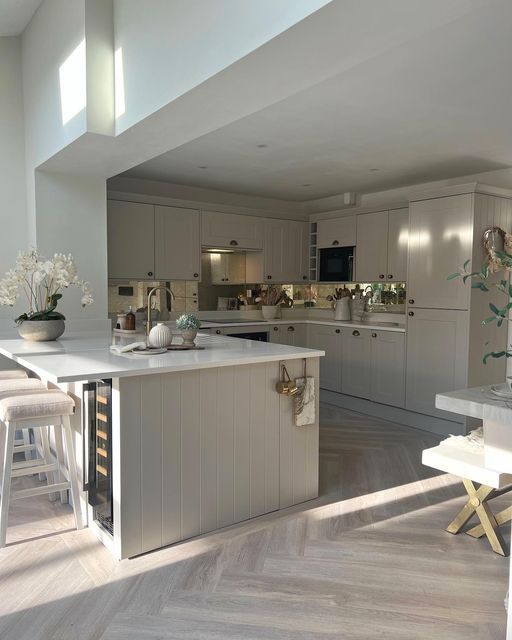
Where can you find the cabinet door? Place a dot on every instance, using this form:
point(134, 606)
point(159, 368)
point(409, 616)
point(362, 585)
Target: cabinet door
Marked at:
point(398, 245)
point(372, 247)
point(436, 357)
point(356, 363)
point(131, 240)
point(327, 339)
point(177, 244)
point(276, 334)
point(388, 368)
point(339, 232)
point(440, 241)
point(295, 251)
point(231, 230)
point(274, 251)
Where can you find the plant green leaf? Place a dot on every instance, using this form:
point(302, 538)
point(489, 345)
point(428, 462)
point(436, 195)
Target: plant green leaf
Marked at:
point(453, 275)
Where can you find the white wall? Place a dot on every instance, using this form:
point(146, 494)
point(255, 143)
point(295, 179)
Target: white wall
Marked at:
point(71, 217)
point(168, 48)
point(13, 222)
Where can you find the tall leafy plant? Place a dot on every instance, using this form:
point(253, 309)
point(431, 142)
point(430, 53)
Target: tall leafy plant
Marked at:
point(483, 281)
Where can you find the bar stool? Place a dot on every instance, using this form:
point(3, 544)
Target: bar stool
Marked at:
point(37, 409)
point(17, 380)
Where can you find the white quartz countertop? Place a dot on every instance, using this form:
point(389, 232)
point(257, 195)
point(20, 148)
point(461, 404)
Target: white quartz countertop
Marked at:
point(89, 357)
point(288, 321)
point(472, 402)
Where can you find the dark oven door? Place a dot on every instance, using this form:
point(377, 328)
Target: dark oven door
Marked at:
point(336, 264)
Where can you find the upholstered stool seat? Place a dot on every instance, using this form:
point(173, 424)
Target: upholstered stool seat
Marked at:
point(38, 409)
point(13, 374)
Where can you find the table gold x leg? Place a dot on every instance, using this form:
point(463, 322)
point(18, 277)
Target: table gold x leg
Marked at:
point(489, 524)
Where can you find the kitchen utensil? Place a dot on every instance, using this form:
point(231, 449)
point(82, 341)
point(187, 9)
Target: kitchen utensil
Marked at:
point(286, 386)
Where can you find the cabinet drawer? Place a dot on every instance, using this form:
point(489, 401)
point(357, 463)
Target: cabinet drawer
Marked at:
point(336, 232)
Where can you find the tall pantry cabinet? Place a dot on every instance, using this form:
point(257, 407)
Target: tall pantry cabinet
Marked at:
point(445, 336)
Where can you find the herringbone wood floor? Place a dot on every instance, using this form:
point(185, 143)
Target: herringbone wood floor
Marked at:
point(368, 559)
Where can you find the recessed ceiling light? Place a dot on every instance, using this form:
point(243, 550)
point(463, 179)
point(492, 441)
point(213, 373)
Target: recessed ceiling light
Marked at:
point(262, 146)
point(375, 169)
point(306, 184)
point(202, 166)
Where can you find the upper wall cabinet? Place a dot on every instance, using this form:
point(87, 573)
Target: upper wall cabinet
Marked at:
point(177, 247)
point(398, 245)
point(336, 232)
point(130, 238)
point(231, 231)
point(382, 244)
point(285, 253)
point(147, 242)
point(440, 239)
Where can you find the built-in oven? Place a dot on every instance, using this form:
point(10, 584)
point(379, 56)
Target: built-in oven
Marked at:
point(97, 464)
point(259, 336)
point(336, 264)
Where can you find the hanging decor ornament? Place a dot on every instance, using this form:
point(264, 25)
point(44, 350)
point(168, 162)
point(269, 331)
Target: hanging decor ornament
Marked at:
point(498, 248)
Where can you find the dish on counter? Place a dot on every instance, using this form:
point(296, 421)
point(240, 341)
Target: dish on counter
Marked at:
point(148, 351)
point(501, 391)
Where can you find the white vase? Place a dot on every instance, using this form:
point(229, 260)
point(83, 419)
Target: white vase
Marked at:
point(269, 312)
point(160, 336)
point(41, 330)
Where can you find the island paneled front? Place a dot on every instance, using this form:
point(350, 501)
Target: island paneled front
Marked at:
point(175, 445)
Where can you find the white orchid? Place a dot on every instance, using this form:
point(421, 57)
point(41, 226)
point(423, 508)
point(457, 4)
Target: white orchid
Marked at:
point(42, 280)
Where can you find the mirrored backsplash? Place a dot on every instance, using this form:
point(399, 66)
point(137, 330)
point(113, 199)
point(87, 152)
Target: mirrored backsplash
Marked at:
point(387, 297)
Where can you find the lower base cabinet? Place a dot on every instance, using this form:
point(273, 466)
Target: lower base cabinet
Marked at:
point(388, 368)
point(356, 363)
point(294, 335)
point(329, 339)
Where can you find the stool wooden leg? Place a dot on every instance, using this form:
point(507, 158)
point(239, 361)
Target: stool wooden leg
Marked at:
point(59, 450)
point(26, 442)
point(6, 482)
point(73, 476)
point(467, 512)
point(51, 477)
point(501, 518)
point(38, 440)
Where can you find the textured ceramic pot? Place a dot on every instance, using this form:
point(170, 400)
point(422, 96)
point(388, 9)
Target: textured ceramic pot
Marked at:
point(41, 330)
point(269, 312)
point(189, 335)
point(160, 336)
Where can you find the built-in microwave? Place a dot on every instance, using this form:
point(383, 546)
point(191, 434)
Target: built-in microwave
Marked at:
point(336, 264)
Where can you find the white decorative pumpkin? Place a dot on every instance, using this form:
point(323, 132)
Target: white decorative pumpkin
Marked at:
point(160, 336)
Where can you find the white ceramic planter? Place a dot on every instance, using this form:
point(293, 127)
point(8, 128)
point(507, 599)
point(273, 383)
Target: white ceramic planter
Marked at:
point(189, 335)
point(41, 330)
point(269, 312)
point(160, 336)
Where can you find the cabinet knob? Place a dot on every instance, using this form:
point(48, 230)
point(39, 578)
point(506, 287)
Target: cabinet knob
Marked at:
point(390, 276)
point(196, 275)
point(356, 333)
point(381, 276)
point(269, 277)
point(291, 328)
point(338, 330)
point(304, 277)
point(411, 301)
point(276, 328)
point(335, 243)
point(374, 335)
point(150, 273)
point(411, 313)
point(218, 332)
point(233, 243)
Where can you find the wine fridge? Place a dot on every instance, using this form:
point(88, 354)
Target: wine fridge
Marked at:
point(97, 464)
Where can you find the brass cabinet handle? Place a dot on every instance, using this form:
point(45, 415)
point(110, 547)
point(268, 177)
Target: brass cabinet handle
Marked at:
point(304, 277)
point(338, 331)
point(276, 328)
point(356, 333)
point(150, 273)
point(218, 331)
point(196, 275)
point(381, 276)
point(390, 276)
point(374, 335)
point(291, 328)
point(233, 243)
point(411, 313)
point(335, 243)
point(411, 301)
point(269, 277)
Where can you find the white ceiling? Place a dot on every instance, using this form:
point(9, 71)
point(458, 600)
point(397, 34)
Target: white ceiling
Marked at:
point(439, 106)
point(15, 15)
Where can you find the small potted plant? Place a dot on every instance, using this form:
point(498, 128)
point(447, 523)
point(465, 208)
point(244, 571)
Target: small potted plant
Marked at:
point(42, 282)
point(188, 324)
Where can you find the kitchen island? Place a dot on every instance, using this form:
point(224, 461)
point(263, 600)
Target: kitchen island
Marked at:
point(175, 445)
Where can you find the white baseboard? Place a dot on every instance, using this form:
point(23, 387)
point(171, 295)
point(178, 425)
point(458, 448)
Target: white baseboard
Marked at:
point(394, 414)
